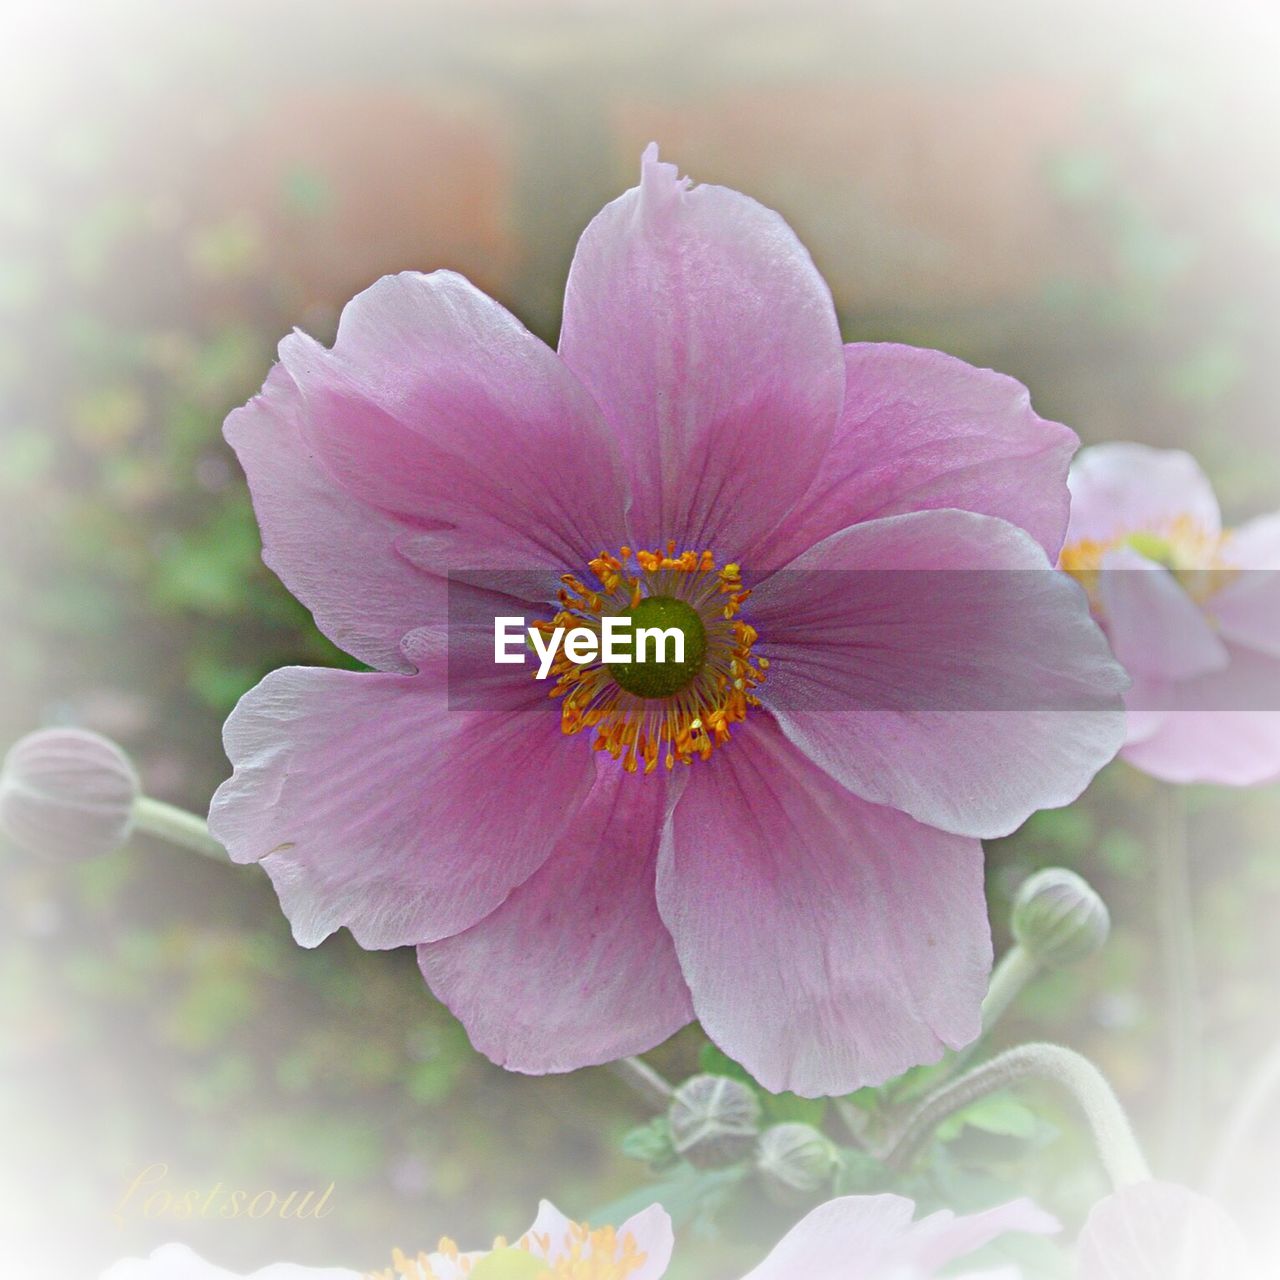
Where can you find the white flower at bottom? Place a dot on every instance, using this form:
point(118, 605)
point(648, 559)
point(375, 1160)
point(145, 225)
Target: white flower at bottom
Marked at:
point(177, 1262)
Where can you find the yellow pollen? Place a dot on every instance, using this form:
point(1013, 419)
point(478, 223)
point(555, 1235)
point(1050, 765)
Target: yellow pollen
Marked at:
point(693, 720)
point(582, 1254)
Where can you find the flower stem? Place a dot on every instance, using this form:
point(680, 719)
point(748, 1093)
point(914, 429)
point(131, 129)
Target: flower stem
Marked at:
point(647, 1082)
point(1178, 951)
point(1260, 1093)
point(1113, 1136)
point(177, 826)
point(1016, 969)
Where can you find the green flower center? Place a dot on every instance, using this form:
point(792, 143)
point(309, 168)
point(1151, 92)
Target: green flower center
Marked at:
point(659, 679)
point(1154, 547)
point(508, 1264)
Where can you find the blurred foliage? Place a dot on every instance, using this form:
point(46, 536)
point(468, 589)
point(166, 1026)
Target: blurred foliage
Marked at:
point(156, 239)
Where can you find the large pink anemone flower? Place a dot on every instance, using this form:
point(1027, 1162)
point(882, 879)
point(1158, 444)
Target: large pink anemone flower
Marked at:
point(1192, 611)
point(856, 542)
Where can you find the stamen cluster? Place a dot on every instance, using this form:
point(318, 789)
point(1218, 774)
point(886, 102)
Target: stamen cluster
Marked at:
point(690, 721)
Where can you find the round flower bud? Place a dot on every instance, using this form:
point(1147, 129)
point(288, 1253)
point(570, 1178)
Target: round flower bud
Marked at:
point(1059, 918)
point(795, 1162)
point(67, 794)
point(714, 1121)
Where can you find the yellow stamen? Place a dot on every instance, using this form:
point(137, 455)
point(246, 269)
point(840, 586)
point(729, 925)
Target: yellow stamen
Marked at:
point(691, 721)
point(583, 1254)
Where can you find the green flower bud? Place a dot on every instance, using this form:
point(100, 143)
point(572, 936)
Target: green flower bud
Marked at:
point(67, 794)
point(1058, 918)
point(795, 1162)
point(714, 1121)
point(651, 1143)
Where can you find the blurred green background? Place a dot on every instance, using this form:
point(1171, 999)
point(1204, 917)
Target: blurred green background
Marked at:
point(1087, 197)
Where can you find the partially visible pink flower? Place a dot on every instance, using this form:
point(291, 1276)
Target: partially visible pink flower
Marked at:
point(1160, 1231)
point(874, 1238)
point(177, 1262)
point(865, 536)
point(1192, 612)
point(553, 1248)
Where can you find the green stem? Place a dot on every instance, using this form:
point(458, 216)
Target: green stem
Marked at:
point(1069, 1071)
point(648, 1083)
point(1184, 1029)
point(168, 822)
point(1016, 969)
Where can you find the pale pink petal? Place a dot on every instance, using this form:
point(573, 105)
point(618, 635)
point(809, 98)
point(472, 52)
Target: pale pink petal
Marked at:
point(943, 1237)
point(436, 405)
point(708, 338)
point(935, 663)
point(651, 1230)
point(1159, 1231)
point(373, 805)
point(921, 430)
point(589, 971)
point(552, 1236)
point(1247, 607)
point(851, 1238)
point(1123, 488)
point(1221, 728)
point(828, 943)
point(874, 1238)
point(334, 552)
point(1156, 629)
point(178, 1262)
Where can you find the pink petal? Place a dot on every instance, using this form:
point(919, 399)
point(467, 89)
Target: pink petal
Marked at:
point(435, 404)
point(588, 971)
point(1159, 1231)
point(704, 331)
point(828, 943)
point(334, 552)
point(874, 1238)
point(1222, 728)
point(373, 805)
point(1123, 488)
point(943, 1237)
point(851, 1238)
point(1247, 608)
point(920, 431)
point(1154, 626)
point(650, 1228)
point(935, 663)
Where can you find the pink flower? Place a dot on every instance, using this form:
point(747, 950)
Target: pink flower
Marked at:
point(1192, 612)
point(810, 887)
point(874, 1238)
point(1159, 1231)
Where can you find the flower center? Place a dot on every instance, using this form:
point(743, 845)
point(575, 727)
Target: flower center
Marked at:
point(583, 1254)
point(1182, 546)
point(646, 710)
point(662, 678)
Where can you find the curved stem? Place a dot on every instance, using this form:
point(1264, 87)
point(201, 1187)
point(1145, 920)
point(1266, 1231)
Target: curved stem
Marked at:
point(1071, 1072)
point(647, 1082)
point(1260, 1093)
point(1016, 969)
point(1184, 1037)
point(177, 826)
